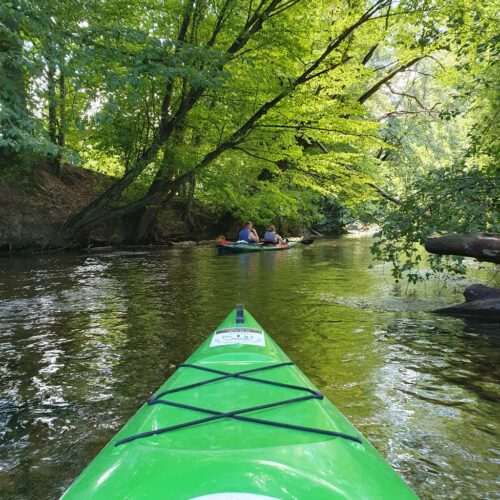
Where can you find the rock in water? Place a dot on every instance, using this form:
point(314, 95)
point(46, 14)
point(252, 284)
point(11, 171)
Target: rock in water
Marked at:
point(476, 292)
point(480, 302)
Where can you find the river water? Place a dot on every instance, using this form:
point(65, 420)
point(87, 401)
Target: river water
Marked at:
point(86, 338)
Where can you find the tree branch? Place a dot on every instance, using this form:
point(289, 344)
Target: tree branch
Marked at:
point(410, 96)
point(253, 155)
point(300, 128)
point(387, 78)
point(224, 14)
point(369, 54)
point(385, 194)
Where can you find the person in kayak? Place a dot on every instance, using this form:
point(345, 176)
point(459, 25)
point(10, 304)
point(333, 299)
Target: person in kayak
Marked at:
point(272, 238)
point(248, 233)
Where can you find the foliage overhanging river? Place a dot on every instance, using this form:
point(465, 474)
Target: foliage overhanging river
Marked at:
point(86, 338)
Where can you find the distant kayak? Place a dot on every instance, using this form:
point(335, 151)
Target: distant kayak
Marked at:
point(238, 421)
point(230, 247)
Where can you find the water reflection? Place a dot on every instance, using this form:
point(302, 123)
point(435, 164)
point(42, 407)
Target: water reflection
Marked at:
point(84, 339)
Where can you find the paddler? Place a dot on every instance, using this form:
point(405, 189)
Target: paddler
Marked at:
point(248, 233)
point(271, 237)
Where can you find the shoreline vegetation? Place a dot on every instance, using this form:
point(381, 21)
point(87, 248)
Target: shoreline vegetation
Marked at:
point(179, 123)
point(31, 215)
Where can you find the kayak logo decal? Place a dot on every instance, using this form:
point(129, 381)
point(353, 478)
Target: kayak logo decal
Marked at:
point(238, 335)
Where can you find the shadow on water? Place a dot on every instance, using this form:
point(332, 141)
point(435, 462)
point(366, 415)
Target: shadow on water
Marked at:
point(85, 339)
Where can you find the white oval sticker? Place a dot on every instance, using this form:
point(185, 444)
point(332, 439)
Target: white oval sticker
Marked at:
point(232, 336)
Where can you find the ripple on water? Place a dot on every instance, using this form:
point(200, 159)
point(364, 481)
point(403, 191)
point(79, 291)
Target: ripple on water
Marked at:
point(85, 339)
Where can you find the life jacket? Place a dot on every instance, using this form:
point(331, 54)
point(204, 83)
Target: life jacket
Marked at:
point(245, 235)
point(270, 237)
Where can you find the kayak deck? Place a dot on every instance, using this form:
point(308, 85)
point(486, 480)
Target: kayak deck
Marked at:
point(212, 430)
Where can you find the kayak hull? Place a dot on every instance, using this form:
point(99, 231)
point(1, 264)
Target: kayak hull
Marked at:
point(230, 457)
point(229, 248)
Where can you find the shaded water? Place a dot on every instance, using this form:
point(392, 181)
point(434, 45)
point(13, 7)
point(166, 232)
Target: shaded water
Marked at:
point(86, 338)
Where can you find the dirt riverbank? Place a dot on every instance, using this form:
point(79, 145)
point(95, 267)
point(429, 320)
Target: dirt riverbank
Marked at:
point(33, 208)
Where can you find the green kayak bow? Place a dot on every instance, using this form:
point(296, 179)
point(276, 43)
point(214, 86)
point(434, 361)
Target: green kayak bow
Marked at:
point(238, 421)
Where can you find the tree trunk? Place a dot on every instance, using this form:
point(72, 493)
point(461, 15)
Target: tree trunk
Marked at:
point(188, 216)
point(143, 231)
point(61, 137)
point(159, 194)
point(61, 133)
point(51, 90)
point(482, 246)
point(52, 123)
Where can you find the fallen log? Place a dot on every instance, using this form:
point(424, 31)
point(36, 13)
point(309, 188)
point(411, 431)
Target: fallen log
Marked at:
point(480, 302)
point(482, 246)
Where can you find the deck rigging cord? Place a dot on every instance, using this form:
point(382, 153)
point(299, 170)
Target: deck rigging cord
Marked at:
point(236, 414)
